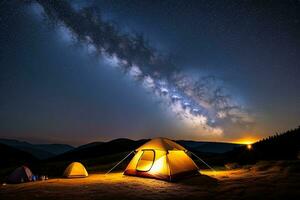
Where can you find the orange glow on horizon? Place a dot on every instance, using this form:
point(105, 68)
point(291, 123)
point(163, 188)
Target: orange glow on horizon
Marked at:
point(246, 141)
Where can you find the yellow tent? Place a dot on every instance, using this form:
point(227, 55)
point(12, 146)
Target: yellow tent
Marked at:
point(161, 158)
point(75, 170)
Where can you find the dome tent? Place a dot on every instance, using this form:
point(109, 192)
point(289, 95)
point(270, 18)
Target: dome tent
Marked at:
point(161, 158)
point(20, 175)
point(75, 170)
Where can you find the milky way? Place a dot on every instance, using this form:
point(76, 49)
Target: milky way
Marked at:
point(199, 101)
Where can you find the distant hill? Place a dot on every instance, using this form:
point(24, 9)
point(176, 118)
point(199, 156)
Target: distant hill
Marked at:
point(97, 149)
point(92, 144)
point(11, 156)
point(40, 151)
point(208, 147)
point(284, 146)
point(55, 149)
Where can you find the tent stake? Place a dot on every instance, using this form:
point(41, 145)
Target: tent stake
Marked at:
point(119, 163)
point(204, 162)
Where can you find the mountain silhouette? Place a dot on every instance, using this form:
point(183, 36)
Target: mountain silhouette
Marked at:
point(40, 151)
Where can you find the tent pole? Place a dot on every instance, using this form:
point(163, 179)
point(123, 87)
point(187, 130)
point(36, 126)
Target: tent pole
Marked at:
point(204, 162)
point(119, 163)
point(168, 163)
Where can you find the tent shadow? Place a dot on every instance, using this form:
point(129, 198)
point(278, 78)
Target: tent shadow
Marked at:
point(199, 180)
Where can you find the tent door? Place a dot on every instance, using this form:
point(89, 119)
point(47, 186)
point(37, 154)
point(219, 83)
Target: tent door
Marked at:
point(146, 161)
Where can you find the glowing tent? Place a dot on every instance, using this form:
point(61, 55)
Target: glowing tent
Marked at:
point(161, 158)
point(20, 175)
point(75, 170)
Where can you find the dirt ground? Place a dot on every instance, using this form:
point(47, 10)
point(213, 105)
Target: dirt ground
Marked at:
point(262, 181)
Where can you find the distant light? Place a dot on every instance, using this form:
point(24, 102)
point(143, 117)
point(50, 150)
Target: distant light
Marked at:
point(249, 146)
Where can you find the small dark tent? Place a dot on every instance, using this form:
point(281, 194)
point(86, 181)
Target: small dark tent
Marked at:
point(20, 175)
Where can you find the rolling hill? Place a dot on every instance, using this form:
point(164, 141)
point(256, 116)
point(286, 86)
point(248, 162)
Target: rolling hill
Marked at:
point(97, 149)
point(40, 151)
point(62, 152)
point(11, 156)
point(208, 147)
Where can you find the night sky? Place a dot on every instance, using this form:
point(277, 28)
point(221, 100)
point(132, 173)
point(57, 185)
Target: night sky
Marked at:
point(81, 71)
